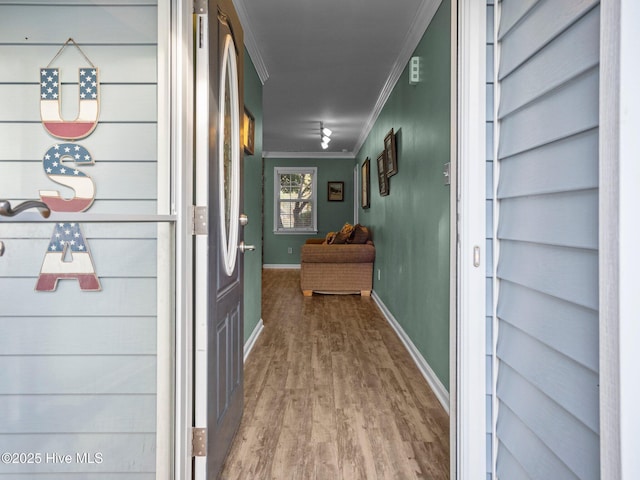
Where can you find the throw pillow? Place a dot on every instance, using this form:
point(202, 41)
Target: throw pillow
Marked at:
point(343, 235)
point(360, 234)
point(329, 238)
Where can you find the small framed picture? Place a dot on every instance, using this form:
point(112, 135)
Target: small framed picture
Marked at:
point(365, 184)
point(335, 191)
point(383, 180)
point(249, 128)
point(390, 152)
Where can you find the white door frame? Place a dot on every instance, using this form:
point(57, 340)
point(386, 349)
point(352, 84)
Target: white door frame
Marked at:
point(166, 318)
point(471, 335)
point(619, 238)
point(182, 133)
point(201, 269)
point(470, 457)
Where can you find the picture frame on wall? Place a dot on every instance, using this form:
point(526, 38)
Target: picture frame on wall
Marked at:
point(383, 180)
point(391, 160)
point(335, 191)
point(248, 132)
point(365, 184)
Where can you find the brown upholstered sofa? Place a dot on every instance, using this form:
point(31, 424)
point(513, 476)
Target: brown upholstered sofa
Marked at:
point(336, 268)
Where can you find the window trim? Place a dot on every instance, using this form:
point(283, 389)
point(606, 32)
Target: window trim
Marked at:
point(277, 171)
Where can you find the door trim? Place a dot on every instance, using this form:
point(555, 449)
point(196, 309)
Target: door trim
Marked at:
point(471, 335)
point(201, 191)
point(166, 318)
point(182, 132)
point(619, 236)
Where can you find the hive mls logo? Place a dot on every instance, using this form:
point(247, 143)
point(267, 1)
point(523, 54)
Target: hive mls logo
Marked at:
point(68, 255)
point(89, 458)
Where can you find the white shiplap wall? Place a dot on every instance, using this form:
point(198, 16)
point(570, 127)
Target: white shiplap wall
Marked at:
point(78, 369)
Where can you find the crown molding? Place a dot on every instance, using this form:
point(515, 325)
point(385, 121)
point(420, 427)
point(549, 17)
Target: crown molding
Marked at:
point(421, 21)
point(250, 42)
point(345, 155)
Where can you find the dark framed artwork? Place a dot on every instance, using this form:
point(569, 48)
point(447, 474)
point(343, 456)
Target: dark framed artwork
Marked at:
point(335, 191)
point(383, 180)
point(249, 132)
point(390, 152)
point(365, 184)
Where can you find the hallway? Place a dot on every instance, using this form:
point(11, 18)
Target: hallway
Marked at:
point(331, 393)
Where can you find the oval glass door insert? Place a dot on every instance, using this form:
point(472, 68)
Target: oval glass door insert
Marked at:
point(229, 156)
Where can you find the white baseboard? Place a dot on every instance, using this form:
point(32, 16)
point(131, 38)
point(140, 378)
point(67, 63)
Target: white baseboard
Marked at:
point(432, 379)
point(284, 266)
point(251, 341)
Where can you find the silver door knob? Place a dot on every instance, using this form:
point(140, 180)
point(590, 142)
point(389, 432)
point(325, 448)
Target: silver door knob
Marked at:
point(1, 248)
point(243, 248)
point(243, 219)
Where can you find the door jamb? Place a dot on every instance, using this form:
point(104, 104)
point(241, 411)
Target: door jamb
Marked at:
point(182, 131)
point(619, 235)
point(471, 284)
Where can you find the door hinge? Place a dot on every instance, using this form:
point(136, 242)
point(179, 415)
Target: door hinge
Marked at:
point(199, 222)
point(200, 7)
point(198, 442)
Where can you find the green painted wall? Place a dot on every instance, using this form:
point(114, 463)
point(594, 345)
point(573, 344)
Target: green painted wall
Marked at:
point(331, 215)
point(411, 226)
point(253, 203)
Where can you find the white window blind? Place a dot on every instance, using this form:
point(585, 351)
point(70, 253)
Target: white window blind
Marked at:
point(295, 207)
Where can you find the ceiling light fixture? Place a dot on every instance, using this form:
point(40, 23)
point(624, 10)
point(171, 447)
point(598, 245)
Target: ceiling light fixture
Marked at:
point(325, 133)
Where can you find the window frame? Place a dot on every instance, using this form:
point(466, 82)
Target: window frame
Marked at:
point(277, 172)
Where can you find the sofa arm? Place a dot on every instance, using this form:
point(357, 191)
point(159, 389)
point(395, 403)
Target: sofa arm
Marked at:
point(314, 241)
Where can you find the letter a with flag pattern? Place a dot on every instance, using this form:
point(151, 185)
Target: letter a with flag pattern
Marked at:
point(67, 240)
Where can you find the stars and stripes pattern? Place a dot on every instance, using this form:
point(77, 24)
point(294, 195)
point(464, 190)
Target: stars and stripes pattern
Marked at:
point(50, 84)
point(52, 160)
point(68, 255)
point(67, 238)
point(67, 235)
point(50, 97)
point(70, 176)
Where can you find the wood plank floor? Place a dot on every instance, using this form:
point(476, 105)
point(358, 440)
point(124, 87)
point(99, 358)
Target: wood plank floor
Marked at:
point(331, 393)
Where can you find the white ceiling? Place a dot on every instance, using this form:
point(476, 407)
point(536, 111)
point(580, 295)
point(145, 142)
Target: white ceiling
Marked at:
point(330, 61)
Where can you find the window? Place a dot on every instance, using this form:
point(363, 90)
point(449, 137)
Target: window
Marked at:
point(295, 200)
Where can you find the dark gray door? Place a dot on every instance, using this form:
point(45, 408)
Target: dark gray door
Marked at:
point(220, 33)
